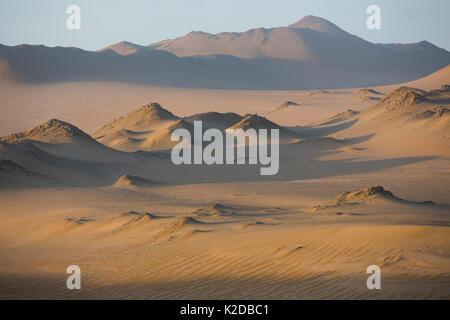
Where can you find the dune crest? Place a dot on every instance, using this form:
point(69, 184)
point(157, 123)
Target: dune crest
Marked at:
point(128, 180)
point(214, 210)
point(287, 104)
point(162, 139)
point(358, 197)
point(367, 195)
point(139, 119)
point(339, 117)
point(216, 119)
point(254, 121)
point(53, 130)
point(145, 128)
point(318, 93)
point(368, 94)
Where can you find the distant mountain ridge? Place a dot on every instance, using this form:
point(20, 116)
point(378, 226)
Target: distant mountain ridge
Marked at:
point(312, 53)
point(292, 42)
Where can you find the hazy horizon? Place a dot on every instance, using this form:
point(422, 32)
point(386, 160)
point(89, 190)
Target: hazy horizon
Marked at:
point(144, 22)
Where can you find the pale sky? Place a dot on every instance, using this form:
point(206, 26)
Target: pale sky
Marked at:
point(104, 22)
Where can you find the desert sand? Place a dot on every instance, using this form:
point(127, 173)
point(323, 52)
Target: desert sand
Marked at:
point(86, 179)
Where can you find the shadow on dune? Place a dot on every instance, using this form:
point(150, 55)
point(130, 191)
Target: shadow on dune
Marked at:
point(290, 169)
point(360, 139)
point(298, 161)
point(298, 170)
point(319, 131)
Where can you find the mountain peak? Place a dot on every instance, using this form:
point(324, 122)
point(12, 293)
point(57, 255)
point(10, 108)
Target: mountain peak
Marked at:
point(123, 48)
point(48, 131)
point(155, 109)
point(256, 122)
point(140, 119)
point(317, 24)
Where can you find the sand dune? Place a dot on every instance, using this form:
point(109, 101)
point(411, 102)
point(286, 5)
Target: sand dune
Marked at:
point(367, 94)
point(215, 119)
point(161, 140)
point(13, 174)
point(341, 116)
point(57, 153)
point(146, 128)
point(362, 196)
point(172, 230)
point(318, 93)
point(150, 127)
point(140, 119)
point(403, 97)
point(127, 180)
point(433, 80)
point(226, 232)
point(417, 118)
point(53, 131)
point(319, 142)
point(64, 140)
point(214, 210)
point(287, 104)
point(254, 121)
